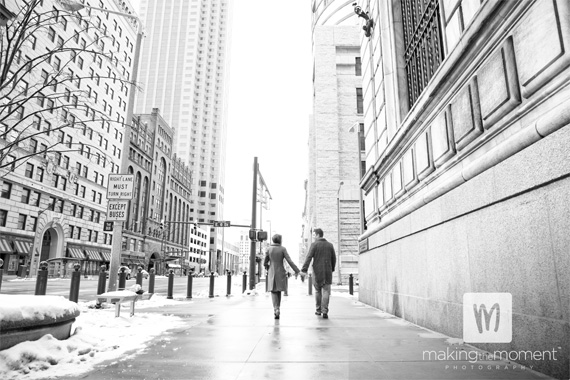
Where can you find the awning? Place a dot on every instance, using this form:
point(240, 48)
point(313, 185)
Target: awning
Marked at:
point(93, 255)
point(75, 252)
point(5, 246)
point(106, 255)
point(173, 265)
point(23, 247)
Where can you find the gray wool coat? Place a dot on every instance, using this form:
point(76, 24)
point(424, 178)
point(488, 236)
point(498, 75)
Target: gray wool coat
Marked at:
point(324, 261)
point(277, 276)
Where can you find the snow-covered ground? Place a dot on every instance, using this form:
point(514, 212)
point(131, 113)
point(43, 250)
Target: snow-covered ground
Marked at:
point(97, 336)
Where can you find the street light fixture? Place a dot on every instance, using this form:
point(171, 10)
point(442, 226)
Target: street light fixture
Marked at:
point(73, 6)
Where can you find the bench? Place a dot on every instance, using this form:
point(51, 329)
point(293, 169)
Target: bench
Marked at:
point(123, 296)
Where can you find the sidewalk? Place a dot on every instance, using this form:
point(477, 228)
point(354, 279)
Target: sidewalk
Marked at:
point(237, 338)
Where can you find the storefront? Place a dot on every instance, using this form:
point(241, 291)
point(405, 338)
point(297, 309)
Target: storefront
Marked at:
point(16, 252)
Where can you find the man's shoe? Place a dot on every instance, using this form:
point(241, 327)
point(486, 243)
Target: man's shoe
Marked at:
point(325, 316)
point(317, 313)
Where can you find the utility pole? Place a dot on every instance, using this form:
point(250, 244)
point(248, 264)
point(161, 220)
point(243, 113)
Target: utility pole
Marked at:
point(253, 224)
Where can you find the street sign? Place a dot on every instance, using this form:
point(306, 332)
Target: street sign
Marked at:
point(108, 226)
point(221, 223)
point(120, 186)
point(117, 210)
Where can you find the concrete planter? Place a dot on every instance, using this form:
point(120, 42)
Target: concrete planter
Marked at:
point(14, 331)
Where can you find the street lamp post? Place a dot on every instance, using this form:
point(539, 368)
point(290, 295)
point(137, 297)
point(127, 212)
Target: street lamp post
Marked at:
point(73, 6)
point(338, 230)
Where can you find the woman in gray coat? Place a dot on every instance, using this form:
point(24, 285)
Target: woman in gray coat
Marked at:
point(277, 275)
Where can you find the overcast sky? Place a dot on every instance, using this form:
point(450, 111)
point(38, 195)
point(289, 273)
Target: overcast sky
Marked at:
point(269, 106)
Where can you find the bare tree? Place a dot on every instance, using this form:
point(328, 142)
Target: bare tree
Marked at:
point(43, 61)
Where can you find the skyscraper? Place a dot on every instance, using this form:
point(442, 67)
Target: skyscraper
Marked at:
point(184, 73)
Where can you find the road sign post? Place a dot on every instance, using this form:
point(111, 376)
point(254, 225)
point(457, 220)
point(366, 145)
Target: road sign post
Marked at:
point(120, 187)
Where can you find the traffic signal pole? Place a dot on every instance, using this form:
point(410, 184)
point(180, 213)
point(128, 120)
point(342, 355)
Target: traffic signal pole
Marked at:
point(252, 275)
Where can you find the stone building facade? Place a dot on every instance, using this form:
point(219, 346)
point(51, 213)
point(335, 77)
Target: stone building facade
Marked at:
point(467, 184)
point(333, 201)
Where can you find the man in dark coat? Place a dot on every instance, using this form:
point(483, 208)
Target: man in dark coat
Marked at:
point(324, 260)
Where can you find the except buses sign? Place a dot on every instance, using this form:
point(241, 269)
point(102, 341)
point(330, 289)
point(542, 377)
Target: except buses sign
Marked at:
point(117, 210)
point(120, 186)
point(119, 192)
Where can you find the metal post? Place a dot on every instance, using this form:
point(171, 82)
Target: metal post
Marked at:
point(170, 284)
point(75, 281)
point(102, 280)
point(151, 280)
point(253, 224)
point(1, 272)
point(139, 276)
point(229, 284)
point(310, 284)
point(41, 281)
point(211, 285)
point(122, 279)
point(189, 290)
point(244, 282)
point(350, 284)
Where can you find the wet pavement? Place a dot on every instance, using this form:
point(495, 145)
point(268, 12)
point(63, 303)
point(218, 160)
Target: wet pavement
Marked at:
point(237, 338)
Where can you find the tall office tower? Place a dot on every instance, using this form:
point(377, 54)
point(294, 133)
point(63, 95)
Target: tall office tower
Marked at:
point(184, 73)
point(332, 201)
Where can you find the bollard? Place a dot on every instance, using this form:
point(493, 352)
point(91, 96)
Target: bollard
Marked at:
point(350, 284)
point(75, 280)
point(102, 280)
point(244, 282)
point(170, 284)
point(1, 272)
point(310, 285)
point(211, 285)
point(229, 292)
point(139, 276)
point(189, 291)
point(122, 279)
point(151, 280)
point(41, 282)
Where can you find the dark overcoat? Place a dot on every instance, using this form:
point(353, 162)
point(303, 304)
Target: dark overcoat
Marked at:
point(277, 275)
point(324, 260)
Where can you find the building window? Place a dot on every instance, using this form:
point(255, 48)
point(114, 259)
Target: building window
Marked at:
point(40, 175)
point(3, 218)
point(423, 41)
point(22, 221)
point(32, 223)
point(6, 190)
point(359, 101)
point(25, 196)
point(358, 66)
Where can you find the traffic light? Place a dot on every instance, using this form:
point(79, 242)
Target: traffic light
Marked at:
point(261, 235)
point(161, 224)
point(252, 235)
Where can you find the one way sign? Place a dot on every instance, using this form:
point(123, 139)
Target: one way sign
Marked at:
point(222, 223)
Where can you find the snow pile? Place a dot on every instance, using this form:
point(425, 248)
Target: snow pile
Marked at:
point(97, 336)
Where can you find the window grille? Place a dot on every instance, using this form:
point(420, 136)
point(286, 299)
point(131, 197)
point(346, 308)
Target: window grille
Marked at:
point(423, 43)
